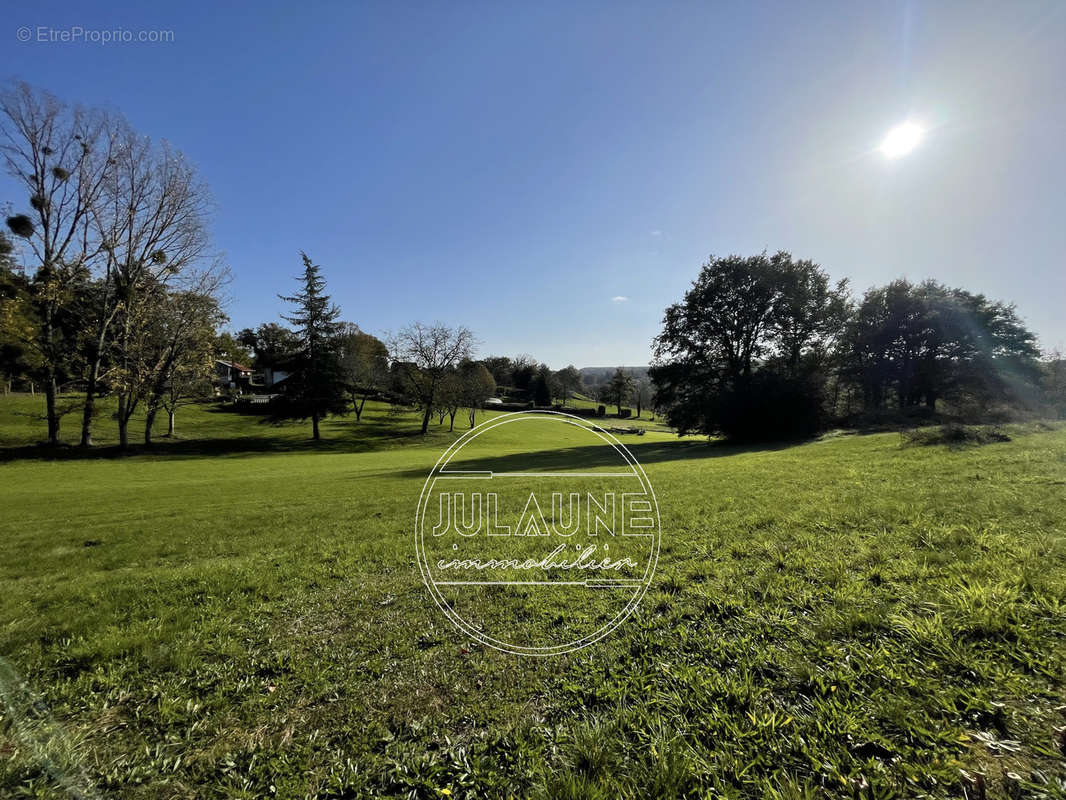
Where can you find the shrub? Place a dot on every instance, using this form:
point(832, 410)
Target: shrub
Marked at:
point(770, 407)
point(954, 435)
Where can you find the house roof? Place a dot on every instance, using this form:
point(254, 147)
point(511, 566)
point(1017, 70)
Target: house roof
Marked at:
point(233, 365)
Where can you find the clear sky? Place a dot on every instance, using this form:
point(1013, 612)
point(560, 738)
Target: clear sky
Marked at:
point(552, 175)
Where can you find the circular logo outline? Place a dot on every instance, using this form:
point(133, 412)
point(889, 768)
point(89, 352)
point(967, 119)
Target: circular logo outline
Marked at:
point(463, 624)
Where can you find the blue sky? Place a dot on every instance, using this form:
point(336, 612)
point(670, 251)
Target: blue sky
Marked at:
point(520, 167)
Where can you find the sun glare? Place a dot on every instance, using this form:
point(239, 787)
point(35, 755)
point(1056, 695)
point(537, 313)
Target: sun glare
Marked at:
point(901, 140)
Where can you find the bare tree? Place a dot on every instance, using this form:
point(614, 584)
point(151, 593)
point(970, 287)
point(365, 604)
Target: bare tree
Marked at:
point(151, 220)
point(431, 351)
point(54, 152)
point(641, 394)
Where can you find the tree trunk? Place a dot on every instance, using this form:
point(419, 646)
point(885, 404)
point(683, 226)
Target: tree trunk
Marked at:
point(87, 413)
point(123, 422)
point(90, 391)
point(50, 392)
point(451, 422)
point(170, 422)
point(473, 416)
point(149, 421)
point(425, 418)
point(314, 427)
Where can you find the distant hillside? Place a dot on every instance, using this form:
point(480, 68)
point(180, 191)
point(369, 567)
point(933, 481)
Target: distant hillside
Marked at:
point(595, 376)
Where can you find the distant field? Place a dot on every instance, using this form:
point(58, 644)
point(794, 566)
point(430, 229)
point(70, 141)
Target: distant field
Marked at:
point(237, 615)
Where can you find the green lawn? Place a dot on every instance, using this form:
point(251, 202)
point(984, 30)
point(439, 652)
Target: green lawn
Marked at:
point(235, 614)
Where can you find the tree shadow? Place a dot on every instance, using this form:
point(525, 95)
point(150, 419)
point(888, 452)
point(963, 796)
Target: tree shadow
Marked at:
point(368, 440)
point(604, 456)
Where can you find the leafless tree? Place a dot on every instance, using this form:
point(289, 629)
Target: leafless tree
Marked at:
point(151, 221)
point(432, 351)
point(60, 156)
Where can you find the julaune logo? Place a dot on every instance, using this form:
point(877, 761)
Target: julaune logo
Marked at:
point(537, 533)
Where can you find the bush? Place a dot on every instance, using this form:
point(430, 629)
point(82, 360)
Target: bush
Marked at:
point(601, 411)
point(771, 407)
point(625, 413)
point(580, 412)
point(954, 435)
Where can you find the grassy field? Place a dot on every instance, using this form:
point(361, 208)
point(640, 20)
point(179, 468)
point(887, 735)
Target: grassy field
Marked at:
point(236, 614)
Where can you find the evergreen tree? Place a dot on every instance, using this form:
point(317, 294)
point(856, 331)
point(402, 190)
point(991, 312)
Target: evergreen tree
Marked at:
point(315, 387)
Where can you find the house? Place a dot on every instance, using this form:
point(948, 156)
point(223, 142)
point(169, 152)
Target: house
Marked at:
point(273, 376)
point(232, 377)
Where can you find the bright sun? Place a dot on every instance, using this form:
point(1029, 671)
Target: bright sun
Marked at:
point(902, 139)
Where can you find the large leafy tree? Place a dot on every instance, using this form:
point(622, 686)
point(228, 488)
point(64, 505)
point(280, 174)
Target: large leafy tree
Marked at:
point(315, 387)
point(741, 352)
point(914, 344)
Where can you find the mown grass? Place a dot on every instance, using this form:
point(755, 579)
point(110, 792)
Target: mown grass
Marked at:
point(847, 617)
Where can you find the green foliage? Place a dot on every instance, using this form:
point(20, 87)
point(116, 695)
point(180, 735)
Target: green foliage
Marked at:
point(316, 386)
point(272, 344)
point(761, 314)
point(619, 388)
point(764, 348)
point(912, 343)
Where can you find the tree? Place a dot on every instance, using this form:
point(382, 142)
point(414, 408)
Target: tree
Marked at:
point(500, 368)
point(641, 394)
point(364, 362)
point(19, 325)
point(271, 343)
point(569, 380)
point(315, 387)
point(1053, 383)
point(450, 397)
point(619, 388)
point(770, 314)
point(152, 223)
point(53, 153)
point(913, 344)
point(541, 386)
point(180, 337)
point(430, 351)
point(523, 371)
point(478, 386)
point(233, 348)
